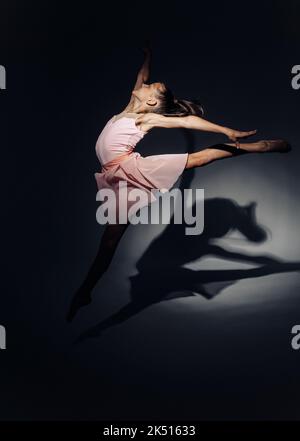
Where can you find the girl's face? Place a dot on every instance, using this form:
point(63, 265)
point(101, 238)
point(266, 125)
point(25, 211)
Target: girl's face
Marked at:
point(148, 93)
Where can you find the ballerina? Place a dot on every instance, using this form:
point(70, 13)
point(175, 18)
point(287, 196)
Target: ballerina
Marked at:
point(153, 105)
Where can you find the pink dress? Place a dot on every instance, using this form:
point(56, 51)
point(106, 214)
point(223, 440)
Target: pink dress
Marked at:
point(115, 151)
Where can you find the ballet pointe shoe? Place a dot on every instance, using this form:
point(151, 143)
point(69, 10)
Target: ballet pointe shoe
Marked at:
point(276, 145)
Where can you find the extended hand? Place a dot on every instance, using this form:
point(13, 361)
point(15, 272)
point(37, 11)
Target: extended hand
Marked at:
point(235, 135)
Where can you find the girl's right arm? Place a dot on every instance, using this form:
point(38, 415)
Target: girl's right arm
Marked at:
point(144, 72)
point(151, 120)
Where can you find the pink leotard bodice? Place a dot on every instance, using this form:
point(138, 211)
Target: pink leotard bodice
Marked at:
point(121, 165)
point(118, 137)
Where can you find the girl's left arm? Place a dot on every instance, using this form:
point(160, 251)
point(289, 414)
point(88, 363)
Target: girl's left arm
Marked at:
point(144, 72)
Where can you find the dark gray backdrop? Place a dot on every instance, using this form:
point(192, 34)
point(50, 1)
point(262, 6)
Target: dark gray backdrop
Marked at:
point(224, 353)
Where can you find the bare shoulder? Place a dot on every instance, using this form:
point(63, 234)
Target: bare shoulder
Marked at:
point(148, 121)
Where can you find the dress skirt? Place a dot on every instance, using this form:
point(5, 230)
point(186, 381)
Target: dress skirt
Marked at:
point(155, 172)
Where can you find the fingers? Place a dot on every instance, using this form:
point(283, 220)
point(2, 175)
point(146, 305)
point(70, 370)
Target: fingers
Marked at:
point(246, 134)
point(241, 135)
point(147, 43)
point(147, 46)
point(251, 132)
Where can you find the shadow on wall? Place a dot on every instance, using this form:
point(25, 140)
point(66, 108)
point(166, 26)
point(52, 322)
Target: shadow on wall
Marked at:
point(161, 273)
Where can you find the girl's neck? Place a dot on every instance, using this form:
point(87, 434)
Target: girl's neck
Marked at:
point(134, 107)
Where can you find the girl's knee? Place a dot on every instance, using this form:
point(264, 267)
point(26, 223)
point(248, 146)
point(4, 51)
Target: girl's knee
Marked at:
point(196, 159)
point(191, 161)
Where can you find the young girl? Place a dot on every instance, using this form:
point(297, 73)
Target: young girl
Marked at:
point(152, 105)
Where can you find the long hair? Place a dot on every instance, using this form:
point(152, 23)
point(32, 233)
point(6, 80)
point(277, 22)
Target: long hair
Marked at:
point(171, 106)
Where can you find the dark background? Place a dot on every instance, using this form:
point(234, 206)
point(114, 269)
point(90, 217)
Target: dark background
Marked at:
point(223, 353)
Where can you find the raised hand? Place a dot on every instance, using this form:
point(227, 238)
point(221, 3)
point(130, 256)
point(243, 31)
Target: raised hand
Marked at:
point(147, 48)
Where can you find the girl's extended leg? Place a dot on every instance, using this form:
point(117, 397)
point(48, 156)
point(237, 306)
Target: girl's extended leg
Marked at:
point(108, 245)
point(228, 150)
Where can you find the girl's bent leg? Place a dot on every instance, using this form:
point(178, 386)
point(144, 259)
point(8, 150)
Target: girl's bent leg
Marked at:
point(108, 245)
